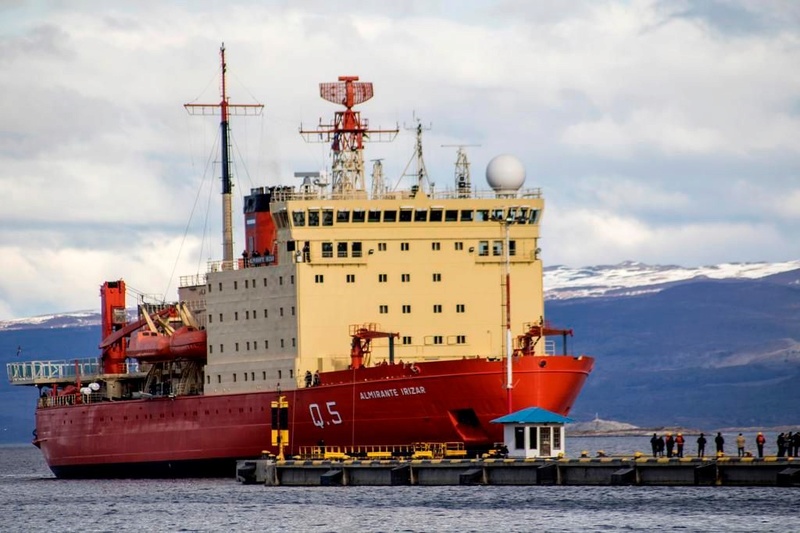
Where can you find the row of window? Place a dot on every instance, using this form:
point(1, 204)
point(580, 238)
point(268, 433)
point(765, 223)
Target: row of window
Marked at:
point(251, 376)
point(407, 340)
point(252, 283)
point(314, 217)
point(437, 308)
point(355, 249)
point(249, 343)
point(248, 314)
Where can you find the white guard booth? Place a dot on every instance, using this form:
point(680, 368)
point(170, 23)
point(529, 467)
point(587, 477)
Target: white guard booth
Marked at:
point(533, 432)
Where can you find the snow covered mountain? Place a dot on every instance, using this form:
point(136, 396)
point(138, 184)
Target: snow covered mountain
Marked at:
point(631, 278)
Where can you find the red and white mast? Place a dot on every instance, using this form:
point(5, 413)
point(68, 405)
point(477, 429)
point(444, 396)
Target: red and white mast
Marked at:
point(225, 109)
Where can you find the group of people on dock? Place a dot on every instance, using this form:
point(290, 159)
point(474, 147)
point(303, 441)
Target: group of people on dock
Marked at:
point(669, 446)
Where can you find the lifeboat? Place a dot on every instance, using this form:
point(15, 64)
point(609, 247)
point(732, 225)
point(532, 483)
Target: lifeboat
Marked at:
point(148, 345)
point(188, 342)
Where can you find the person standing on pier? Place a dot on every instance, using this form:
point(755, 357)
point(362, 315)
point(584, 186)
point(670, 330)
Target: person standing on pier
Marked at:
point(796, 443)
point(701, 445)
point(679, 443)
point(720, 442)
point(781, 442)
point(670, 444)
point(654, 445)
point(760, 440)
point(740, 445)
point(788, 440)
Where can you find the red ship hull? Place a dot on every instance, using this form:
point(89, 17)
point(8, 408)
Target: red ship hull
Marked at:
point(442, 401)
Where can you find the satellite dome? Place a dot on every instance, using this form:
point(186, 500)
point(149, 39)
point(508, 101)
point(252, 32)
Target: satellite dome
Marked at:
point(505, 174)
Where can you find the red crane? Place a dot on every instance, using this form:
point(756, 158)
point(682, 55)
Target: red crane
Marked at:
point(527, 342)
point(361, 345)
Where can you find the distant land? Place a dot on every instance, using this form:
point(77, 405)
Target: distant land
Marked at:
point(702, 349)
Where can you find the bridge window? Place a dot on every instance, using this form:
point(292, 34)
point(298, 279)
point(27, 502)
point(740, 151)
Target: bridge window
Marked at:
point(299, 218)
point(436, 215)
point(359, 215)
point(390, 216)
point(327, 217)
point(374, 215)
point(405, 215)
point(451, 215)
point(341, 249)
point(466, 215)
point(342, 216)
point(313, 218)
point(327, 249)
point(421, 215)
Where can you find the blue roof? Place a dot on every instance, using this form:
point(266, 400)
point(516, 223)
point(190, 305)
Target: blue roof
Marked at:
point(532, 415)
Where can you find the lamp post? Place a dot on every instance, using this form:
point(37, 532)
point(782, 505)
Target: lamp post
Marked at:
point(506, 222)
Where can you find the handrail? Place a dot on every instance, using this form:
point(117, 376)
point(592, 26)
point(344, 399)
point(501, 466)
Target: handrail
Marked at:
point(29, 372)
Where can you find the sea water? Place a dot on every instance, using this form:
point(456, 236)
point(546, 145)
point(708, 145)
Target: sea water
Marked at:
point(31, 499)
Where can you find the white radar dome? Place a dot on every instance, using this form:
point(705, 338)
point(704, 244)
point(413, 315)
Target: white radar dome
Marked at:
point(505, 174)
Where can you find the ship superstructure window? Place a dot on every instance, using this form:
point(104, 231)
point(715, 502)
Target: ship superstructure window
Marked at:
point(483, 248)
point(313, 217)
point(220, 286)
point(220, 317)
point(497, 214)
point(236, 285)
point(403, 246)
point(319, 278)
point(281, 310)
point(381, 246)
point(458, 245)
point(341, 249)
point(437, 277)
point(437, 308)
point(342, 216)
point(265, 282)
point(406, 309)
point(481, 215)
point(247, 315)
point(294, 342)
point(383, 309)
point(292, 310)
point(436, 215)
point(374, 215)
point(466, 215)
point(382, 278)
point(521, 216)
point(266, 313)
point(282, 343)
point(460, 308)
point(266, 344)
point(405, 215)
point(264, 375)
point(236, 315)
point(461, 339)
point(405, 278)
point(436, 246)
point(451, 215)
point(351, 278)
point(327, 249)
point(219, 378)
point(533, 216)
point(299, 218)
point(327, 217)
point(291, 279)
point(246, 286)
point(236, 347)
point(390, 216)
point(359, 215)
point(356, 249)
point(234, 377)
point(421, 215)
point(210, 318)
point(437, 339)
point(512, 247)
point(406, 340)
point(280, 374)
point(497, 248)
point(280, 280)
point(210, 348)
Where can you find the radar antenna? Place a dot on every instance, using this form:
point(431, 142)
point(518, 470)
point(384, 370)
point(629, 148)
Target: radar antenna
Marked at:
point(225, 109)
point(462, 178)
point(347, 133)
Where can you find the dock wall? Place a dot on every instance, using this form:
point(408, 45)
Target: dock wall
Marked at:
point(725, 471)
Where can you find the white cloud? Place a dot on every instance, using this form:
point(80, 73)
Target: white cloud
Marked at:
point(662, 132)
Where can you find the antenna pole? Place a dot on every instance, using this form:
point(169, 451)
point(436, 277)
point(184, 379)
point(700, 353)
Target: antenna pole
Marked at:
point(225, 109)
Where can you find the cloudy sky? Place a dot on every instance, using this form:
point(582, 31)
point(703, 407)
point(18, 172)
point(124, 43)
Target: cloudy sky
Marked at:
point(663, 132)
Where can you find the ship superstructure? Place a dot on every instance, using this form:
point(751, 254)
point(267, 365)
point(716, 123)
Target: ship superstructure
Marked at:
point(350, 318)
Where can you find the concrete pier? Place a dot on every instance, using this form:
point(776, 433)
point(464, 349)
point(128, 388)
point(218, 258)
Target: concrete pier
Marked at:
point(645, 471)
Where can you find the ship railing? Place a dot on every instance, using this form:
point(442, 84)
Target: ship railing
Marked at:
point(550, 347)
point(63, 400)
point(195, 280)
point(289, 195)
point(417, 450)
point(33, 372)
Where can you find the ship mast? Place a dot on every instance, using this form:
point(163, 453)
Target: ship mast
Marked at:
point(421, 172)
point(225, 110)
point(347, 133)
